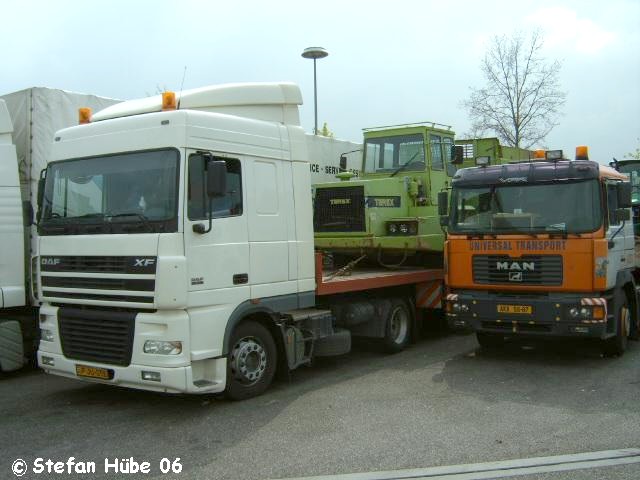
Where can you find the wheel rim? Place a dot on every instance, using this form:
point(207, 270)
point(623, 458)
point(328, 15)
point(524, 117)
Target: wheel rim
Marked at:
point(248, 360)
point(398, 325)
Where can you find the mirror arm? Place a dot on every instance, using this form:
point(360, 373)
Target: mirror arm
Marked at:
point(199, 228)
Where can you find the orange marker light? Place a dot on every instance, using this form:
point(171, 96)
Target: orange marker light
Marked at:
point(582, 152)
point(598, 313)
point(84, 115)
point(539, 154)
point(169, 101)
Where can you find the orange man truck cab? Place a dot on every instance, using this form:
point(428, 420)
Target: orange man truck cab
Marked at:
point(544, 248)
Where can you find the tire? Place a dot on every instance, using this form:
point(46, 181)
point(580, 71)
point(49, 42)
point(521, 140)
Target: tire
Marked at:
point(616, 346)
point(490, 341)
point(397, 333)
point(252, 360)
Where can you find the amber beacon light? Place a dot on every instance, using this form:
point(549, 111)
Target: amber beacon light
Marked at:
point(84, 115)
point(169, 101)
point(582, 152)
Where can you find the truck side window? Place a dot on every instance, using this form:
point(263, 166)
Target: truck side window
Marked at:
point(228, 206)
point(437, 162)
point(612, 202)
point(447, 146)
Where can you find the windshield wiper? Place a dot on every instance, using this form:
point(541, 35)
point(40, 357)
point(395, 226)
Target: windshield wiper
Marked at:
point(142, 217)
point(402, 167)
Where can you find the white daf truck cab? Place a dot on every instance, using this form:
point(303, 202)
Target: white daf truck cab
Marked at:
point(176, 248)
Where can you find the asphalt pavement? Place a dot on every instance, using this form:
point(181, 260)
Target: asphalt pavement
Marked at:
point(441, 402)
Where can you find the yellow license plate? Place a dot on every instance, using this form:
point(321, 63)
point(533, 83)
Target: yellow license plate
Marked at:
point(526, 309)
point(93, 372)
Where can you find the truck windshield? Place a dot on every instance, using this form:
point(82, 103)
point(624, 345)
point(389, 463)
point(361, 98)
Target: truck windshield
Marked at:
point(112, 194)
point(387, 154)
point(567, 207)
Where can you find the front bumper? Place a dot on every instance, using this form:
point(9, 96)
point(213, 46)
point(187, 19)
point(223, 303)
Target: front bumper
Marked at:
point(543, 316)
point(172, 379)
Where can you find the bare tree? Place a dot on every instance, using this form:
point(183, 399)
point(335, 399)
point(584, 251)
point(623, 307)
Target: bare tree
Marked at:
point(521, 100)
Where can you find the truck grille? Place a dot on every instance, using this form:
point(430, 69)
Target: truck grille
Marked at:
point(339, 209)
point(103, 336)
point(90, 279)
point(526, 270)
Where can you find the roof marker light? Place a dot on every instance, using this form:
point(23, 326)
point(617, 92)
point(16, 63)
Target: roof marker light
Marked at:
point(84, 115)
point(169, 101)
point(539, 154)
point(582, 152)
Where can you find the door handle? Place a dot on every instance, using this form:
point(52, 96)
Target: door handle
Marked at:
point(240, 278)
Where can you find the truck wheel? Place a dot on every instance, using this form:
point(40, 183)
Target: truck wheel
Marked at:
point(490, 340)
point(618, 344)
point(252, 361)
point(398, 327)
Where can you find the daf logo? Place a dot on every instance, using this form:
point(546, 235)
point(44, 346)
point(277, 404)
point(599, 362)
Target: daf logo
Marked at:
point(143, 262)
point(516, 266)
point(50, 261)
point(515, 276)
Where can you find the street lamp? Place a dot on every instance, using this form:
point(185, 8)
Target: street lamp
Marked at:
point(315, 53)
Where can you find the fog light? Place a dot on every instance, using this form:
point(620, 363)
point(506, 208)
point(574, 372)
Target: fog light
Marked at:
point(46, 335)
point(574, 312)
point(585, 312)
point(48, 361)
point(160, 347)
point(404, 228)
point(393, 228)
point(151, 376)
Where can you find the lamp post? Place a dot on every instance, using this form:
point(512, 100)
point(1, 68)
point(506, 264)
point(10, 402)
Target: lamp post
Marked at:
point(315, 53)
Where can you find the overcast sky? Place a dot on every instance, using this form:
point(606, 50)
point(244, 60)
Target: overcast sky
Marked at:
point(389, 62)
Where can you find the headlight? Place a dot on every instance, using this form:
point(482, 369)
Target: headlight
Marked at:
point(574, 312)
point(393, 228)
point(160, 347)
point(404, 228)
point(585, 312)
point(46, 335)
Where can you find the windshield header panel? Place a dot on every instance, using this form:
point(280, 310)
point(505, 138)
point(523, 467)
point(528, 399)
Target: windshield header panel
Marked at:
point(527, 173)
point(135, 192)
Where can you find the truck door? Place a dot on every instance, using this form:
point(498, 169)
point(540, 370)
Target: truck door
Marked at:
point(218, 259)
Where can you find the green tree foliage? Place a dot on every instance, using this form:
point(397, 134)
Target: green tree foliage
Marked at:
point(325, 132)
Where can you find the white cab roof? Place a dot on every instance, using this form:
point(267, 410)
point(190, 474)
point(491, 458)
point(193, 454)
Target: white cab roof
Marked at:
point(264, 101)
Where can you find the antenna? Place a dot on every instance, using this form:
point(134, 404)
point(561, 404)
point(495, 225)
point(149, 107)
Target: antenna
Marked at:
point(181, 86)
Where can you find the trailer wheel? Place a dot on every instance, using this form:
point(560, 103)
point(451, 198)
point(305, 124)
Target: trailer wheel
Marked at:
point(252, 361)
point(615, 346)
point(490, 341)
point(398, 327)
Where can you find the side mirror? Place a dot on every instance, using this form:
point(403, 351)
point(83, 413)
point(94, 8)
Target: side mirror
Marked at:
point(443, 203)
point(457, 154)
point(622, 215)
point(216, 178)
point(343, 162)
point(624, 195)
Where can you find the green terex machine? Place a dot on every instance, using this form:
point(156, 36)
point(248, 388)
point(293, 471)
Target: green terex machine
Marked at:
point(389, 213)
point(490, 147)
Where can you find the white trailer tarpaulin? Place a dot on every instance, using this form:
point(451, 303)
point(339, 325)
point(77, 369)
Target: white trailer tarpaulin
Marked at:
point(37, 113)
